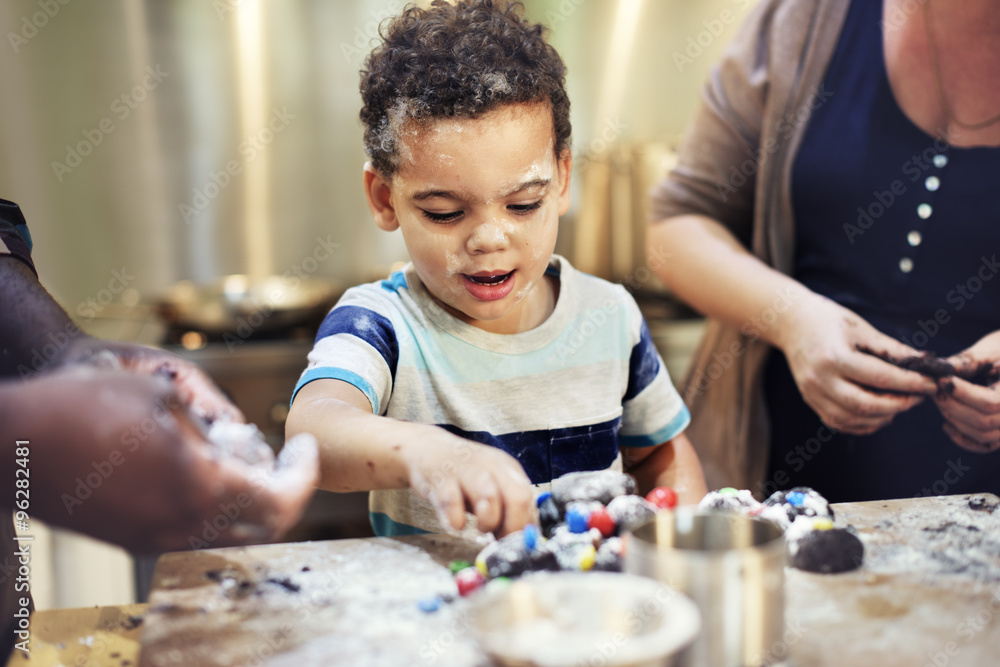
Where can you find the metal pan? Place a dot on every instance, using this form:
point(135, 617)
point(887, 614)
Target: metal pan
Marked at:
point(245, 306)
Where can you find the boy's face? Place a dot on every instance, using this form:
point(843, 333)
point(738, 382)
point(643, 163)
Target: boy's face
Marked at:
point(478, 202)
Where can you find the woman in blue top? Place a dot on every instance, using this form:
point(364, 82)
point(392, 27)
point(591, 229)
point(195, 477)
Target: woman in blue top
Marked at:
point(835, 200)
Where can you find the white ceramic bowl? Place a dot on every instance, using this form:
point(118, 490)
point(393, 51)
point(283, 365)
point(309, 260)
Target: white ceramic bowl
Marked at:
point(563, 619)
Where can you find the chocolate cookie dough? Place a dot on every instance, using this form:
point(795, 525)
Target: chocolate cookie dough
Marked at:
point(827, 551)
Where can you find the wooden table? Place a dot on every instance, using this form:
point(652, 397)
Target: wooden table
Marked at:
point(92, 636)
point(929, 593)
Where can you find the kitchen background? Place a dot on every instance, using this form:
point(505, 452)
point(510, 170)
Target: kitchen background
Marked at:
point(151, 142)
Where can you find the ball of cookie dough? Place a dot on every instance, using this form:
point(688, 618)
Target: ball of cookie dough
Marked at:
point(827, 551)
point(511, 556)
point(730, 500)
point(800, 501)
point(609, 556)
point(548, 513)
point(599, 485)
point(629, 511)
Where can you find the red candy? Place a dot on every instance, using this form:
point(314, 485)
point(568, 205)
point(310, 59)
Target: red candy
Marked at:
point(602, 521)
point(469, 580)
point(663, 497)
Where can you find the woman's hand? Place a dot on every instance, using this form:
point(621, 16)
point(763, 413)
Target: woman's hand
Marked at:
point(971, 411)
point(455, 475)
point(851, 391)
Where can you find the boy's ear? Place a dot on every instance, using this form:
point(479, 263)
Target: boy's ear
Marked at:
point(564, 166)
point(378, 191)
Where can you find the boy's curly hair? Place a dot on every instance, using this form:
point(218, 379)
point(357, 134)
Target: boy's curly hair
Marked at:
point(457, 60)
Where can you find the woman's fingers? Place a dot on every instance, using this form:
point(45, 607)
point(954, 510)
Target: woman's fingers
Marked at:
point(971, 412)
point(968, 443)
point(870, 368)
point(847, 407)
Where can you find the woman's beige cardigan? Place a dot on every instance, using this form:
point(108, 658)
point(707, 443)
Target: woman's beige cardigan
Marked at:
point(735, 166)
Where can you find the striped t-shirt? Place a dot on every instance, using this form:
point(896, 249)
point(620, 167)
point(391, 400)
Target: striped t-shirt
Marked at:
point(562, 397)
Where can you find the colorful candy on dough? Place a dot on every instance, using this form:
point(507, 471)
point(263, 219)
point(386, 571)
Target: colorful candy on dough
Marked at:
point(429, 605)
point(663, 497)
point(580, 524)
point(469, 580)
point(805, 516)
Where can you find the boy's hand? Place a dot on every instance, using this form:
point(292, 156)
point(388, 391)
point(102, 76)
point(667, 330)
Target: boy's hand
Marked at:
point(455, 475)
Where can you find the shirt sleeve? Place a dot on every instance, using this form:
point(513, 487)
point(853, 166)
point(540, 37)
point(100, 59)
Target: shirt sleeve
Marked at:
point(717, 163)
point(652, 410)
point(356, 343)
point(14, 237)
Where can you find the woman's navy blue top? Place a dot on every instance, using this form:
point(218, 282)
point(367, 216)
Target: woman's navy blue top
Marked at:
point(904, 230)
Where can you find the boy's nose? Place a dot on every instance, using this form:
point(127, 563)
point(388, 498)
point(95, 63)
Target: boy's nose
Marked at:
point(489, 236)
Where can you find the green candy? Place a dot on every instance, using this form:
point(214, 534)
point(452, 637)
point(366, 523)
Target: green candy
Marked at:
point(457, 566)
point(728, 492)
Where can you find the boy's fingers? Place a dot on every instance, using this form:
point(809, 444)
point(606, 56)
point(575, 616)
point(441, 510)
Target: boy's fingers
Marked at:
point(517, 505)
point(515, 474)
point(485, 501)
point(446, 498)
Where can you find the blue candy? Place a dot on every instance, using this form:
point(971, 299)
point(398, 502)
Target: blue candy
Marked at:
point(429, 605)
point(542, 497)
point(576, 521)
point(795, 498)
point(531, 536)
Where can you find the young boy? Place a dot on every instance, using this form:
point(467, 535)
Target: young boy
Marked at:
point(488, 364)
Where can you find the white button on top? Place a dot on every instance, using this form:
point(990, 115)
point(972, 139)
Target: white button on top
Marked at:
point(940, 161)
point(924, 211)
point(906, 265)
point(932, 183)
point(914, 238)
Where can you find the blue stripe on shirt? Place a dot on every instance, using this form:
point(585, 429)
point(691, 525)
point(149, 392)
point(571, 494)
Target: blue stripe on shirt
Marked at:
point(395, 282)
point(386, 527)
point(643, 365)
point(547, 454)
point(328, 373)
point(673, 429)
point(366, 324)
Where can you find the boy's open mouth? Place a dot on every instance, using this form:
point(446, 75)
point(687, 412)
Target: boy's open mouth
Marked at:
point(490, 279)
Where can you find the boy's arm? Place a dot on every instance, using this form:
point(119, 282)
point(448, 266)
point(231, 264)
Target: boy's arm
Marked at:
point(360, 451)
point(673, 463)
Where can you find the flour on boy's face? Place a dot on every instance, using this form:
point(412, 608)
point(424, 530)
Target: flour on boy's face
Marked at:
point(478, 202)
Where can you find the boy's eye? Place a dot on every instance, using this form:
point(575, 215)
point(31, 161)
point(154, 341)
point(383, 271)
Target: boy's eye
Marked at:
point(523, 209)
point(441, 217)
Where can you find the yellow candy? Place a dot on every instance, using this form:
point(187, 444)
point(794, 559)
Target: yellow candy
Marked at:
point(481, 566)
point(822, 524)
point(587, 558)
